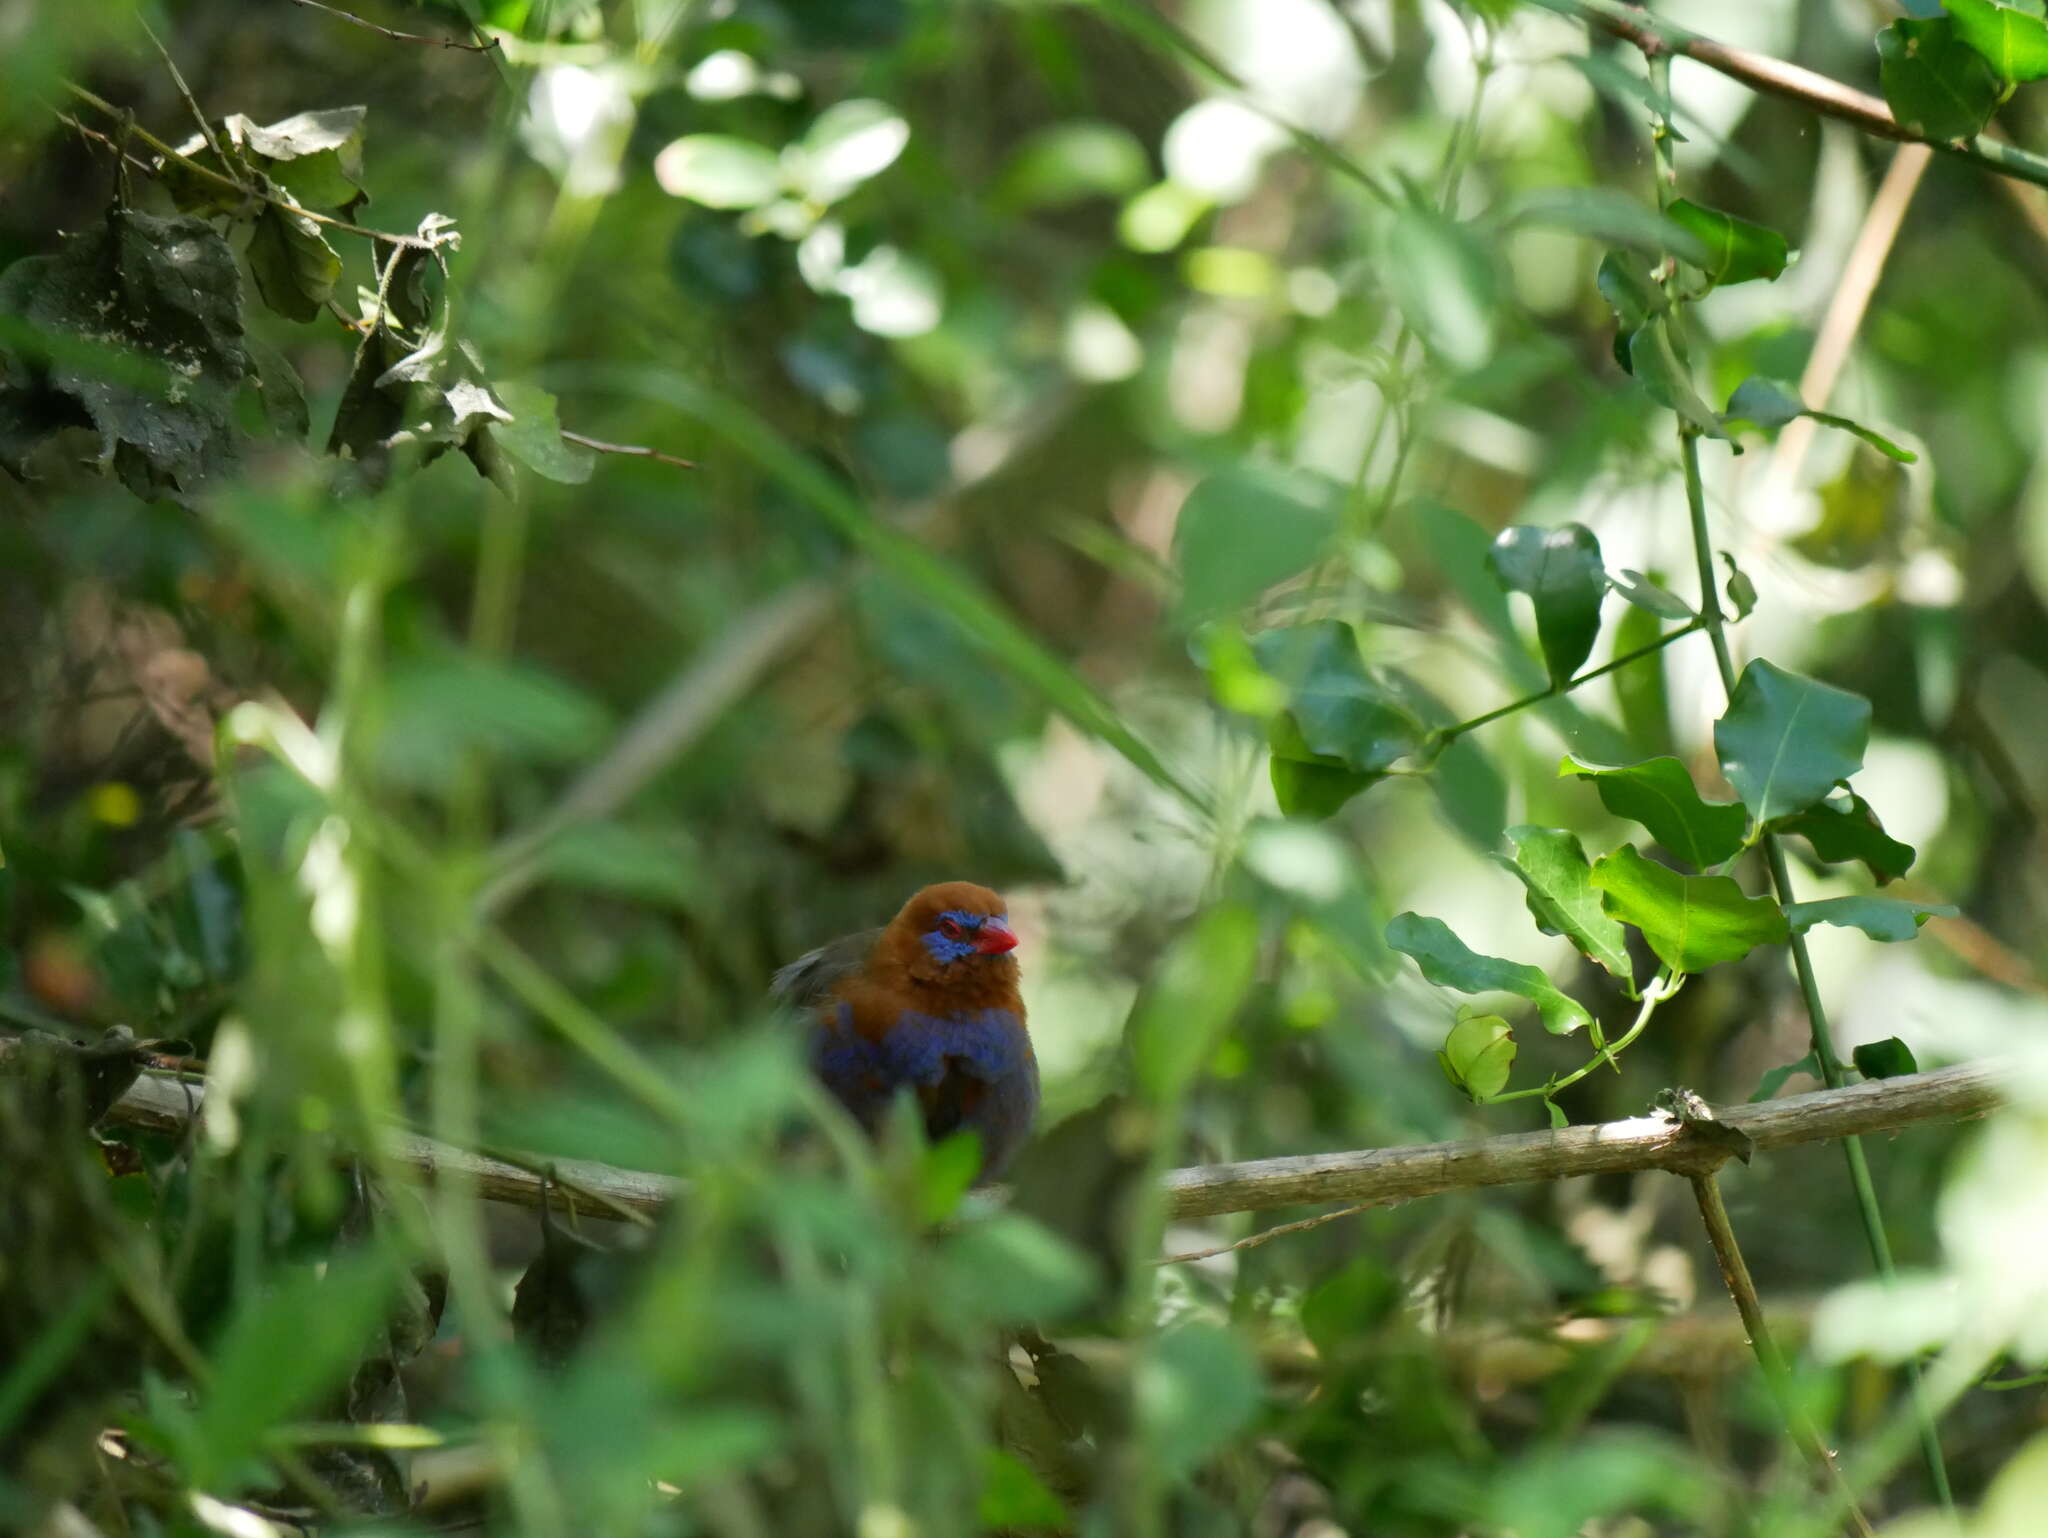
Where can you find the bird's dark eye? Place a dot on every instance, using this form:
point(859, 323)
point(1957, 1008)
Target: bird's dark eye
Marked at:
point(950, 928)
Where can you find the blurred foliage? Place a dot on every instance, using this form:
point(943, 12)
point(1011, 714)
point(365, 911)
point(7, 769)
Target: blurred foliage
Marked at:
point(518, 517)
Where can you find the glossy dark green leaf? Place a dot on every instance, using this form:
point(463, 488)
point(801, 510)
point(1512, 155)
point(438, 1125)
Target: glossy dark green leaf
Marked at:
point(1847, 829)
point(1241, 531)
point(1786, 739)
point(1444, 281)
point(1935, 83)
point(1449, 963)
point(1770, 404)
point(1774, 1080)
point(1478, 1055)
point(1882, 918)
point(1645, 594)
point(1654, 361)
point(2013, 42)
point(1560, 571)
point(1885, 1059)
point(1338, 711)
point(1736, 249)
point(1691, 922)
point(1561, 896)
point(1660, 794)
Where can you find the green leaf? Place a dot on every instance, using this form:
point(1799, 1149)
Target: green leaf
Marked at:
point(280, 389)
point(534, 437)
point(1736, 250)
point(1478, 1055)
point(1626, 284)
point(1740, 590)
point(280, 1351)
point(1935, 83)
point(1653, 360)
point(849, 142)
point(443, 707)
point(1065, 163)
point(1691, 922)
point(1774, 1080)
point(1645, 594)
point(1885, 1059)
point(1770, 404)
point(1560, 570)
point(718, 171)
point(1314, 788)
point(1196, 1387)
point(2014, 43)
point(1558, 1120)
point(1449, 963)
point(294, 267)
point(642, 864)
point(1014, 1498)
point(1338, 711)
point(1882, 918)
point(1660, 794)
point(1241, 531)
point(1611, 216)
point(1443, 280)
point(1191, 999)
point(1840, 832)
point(1561, 897)
point(1786, 739)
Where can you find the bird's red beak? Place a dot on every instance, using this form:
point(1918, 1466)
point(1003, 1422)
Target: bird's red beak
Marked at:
point(996, 938)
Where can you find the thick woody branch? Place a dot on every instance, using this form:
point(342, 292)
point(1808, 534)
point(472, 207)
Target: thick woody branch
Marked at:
point(1371, 1177)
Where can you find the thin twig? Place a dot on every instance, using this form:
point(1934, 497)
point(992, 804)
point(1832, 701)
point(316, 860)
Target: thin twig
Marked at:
point(1706, 1190)
point(1268, 1235)
point(1452, 733)
point(635, 450)
point(403, 37)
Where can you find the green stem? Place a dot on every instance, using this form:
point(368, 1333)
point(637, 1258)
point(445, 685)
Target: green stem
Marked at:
point(1661, 988)
point(1868, 1211)
point(1451, 734)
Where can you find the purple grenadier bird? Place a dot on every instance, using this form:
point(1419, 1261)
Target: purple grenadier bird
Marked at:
point(928, 1004)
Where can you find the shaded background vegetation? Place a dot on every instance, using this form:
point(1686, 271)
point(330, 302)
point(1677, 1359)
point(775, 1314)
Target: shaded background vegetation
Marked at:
point(957, 311)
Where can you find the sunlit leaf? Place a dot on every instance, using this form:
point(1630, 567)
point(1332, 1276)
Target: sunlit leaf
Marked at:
point(1660, 794)
point(1478, 1055)
point(1560, 571)
point(1691, 922)
point(1882, 918)
point(1561, 896)
point(1935, 83)
point(1645, 594)
point(1736, 250)
point(1786, 739)
point(533, 436)
point(1449, 963)
point(718, 171)
point(850, 142)
point(2014, 42)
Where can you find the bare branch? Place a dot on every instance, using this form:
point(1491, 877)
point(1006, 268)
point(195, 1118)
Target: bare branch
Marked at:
point(403, 37)
point(1365, 1177)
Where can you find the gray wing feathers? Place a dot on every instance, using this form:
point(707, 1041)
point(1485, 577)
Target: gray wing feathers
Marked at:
point(808, 979)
